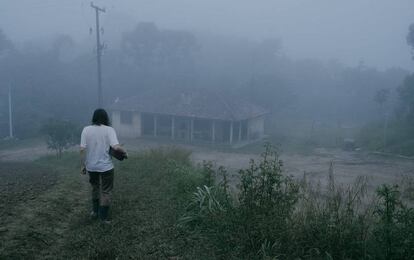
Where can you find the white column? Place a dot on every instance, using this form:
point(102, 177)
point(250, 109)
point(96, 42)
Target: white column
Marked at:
point(213, 131)
point(248, 130)
point(231, 132)
point(240, 130)
point(10, 114)
point(172, 127)
point(155, 125)
point(192, 129)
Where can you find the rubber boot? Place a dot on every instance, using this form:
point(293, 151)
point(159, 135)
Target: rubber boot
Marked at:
point(95, 208)
point(103, 214)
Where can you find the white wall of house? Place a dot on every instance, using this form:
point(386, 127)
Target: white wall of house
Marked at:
point(256, 127)
point(129, 128)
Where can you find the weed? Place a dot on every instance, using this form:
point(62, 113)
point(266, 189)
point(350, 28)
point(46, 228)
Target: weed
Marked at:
point(276, 217)
point(394, 231)
point(164, 207)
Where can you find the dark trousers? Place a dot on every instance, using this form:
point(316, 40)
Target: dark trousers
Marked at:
point(102, 185)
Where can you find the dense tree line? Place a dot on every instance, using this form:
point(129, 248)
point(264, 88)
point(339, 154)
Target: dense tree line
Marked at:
point(394, 132)
point(59, 80)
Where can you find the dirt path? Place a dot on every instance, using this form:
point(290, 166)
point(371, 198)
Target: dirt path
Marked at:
point(24, 154)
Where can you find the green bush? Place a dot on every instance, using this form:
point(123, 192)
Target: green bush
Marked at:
point(393, 234)
point(276, 217)
point(60, 135)
point(332, 222)
point(255, 222)
point(164, 209)
point(266, 202)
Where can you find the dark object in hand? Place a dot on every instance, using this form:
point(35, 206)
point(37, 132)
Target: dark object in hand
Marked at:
point(117, 154)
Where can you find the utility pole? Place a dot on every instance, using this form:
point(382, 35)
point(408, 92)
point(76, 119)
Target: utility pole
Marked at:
point(10, 114)
point(99, 48)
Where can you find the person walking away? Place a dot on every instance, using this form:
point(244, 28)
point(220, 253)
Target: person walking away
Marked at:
point(96, 140)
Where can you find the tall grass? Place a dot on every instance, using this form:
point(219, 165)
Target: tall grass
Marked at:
point(276, 217)
point(164, 207)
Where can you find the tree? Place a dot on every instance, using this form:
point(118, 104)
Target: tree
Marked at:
point(160, 54)
point(410, 36)
point(60, 135)
point(63, 47)
point(270, 91)
point(6, 48)
point(5, 43)
point(381, 97)
point(406, 97)
point(148, 45)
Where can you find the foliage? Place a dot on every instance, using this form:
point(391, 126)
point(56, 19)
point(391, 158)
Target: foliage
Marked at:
point(267, 199)
point(400, 138)
point(5, 43)
point(410, 36)
point(60, 135)
point(274, 217)
point(331, 221)
point(381, 96)
point(270, 91)
point(394, 233)
point(371, 136)
point(157, 51)
point(406, 97)
point(164, 209)
point(257, 220)
point(151, 191)
point(161, 58)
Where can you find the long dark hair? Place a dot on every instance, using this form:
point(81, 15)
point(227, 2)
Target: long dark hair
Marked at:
point(100, 117)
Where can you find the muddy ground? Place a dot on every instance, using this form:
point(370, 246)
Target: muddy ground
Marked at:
point(21, 183)
point(27, 207)
point(347, 165)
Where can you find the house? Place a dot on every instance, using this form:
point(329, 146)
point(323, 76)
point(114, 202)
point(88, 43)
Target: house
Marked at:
point(189, 116)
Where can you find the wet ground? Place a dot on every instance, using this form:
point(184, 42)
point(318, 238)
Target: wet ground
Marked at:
point(347, 165)
point(19, 183)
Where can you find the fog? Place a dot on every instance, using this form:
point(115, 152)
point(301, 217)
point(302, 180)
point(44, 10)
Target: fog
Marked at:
point(348, 31)
point(308, 63)
point(234, 129)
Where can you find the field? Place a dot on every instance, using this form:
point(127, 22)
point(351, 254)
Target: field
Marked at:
point(46, 213)
point(45, 207)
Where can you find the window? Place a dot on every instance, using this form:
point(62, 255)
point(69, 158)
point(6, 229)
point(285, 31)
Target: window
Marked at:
point(126, 117)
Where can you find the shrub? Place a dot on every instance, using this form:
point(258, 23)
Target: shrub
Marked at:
point(255, 222)
point(394, 232)
point(276, 217)
point(267, 200)
point(333, 222)
point(60, 135)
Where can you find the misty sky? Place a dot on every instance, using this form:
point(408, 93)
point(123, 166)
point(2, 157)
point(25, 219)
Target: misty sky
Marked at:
point(349, 31)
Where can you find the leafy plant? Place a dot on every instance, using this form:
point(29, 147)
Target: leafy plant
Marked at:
point(267, 200)
point(60, 135)
point(394, 232)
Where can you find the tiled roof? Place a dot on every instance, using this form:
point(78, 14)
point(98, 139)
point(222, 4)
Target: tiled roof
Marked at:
point(198, 104)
